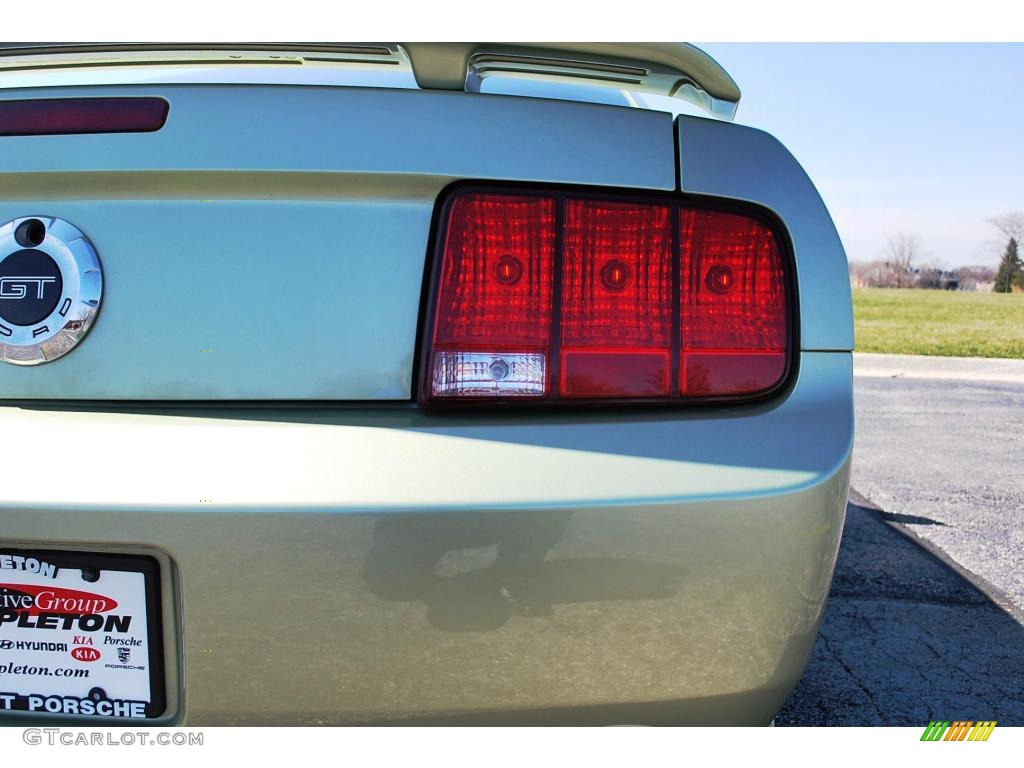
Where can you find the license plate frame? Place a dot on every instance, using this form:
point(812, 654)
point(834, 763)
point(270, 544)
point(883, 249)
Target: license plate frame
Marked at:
point(49, 646)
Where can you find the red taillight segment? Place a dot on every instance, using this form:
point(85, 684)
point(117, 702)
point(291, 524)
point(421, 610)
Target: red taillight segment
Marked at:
point(733, 321)
point(492, 333)
point(42, 117)
point(616, 300)
point(549, 297)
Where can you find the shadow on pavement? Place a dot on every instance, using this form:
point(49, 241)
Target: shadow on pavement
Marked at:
point(893, 517)
point(907, 639)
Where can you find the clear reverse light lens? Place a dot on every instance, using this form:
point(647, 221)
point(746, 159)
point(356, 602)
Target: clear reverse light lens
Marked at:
point(488, 373)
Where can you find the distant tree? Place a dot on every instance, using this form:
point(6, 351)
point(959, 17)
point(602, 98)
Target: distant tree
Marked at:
point(929, 276)
point(981, 273)
point(875, 274)
point(971, 275)
point(1011, 224)
point(900, 253)
point(860, 274)
point(1011, 270)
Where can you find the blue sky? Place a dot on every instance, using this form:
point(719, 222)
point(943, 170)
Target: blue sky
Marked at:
point(926, 139)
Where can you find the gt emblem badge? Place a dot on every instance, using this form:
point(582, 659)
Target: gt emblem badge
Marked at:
point(17, 287)
point(51, 283)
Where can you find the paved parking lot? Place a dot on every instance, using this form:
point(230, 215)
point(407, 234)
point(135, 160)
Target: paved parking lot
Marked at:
point(907, 639)
point(948, 455)
point(925, 620)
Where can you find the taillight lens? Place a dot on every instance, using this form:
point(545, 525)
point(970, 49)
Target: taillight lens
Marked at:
point(616, 317)
point(43, 117)
point(546, 297)
point(492, 334)
point(733, 321)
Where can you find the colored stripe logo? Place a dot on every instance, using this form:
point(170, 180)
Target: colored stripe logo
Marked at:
point(958, 730)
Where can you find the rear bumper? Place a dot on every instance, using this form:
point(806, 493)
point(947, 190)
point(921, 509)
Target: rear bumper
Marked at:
point(375, 565)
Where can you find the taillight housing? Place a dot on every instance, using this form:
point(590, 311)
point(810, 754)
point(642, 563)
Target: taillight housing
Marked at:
point(576, 297)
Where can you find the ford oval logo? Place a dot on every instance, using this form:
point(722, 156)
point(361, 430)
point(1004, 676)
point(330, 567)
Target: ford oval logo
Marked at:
point(51, 283)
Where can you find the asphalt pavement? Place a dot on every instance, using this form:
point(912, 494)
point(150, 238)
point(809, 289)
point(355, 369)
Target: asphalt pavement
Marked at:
point(948, 455)
point(926, 616)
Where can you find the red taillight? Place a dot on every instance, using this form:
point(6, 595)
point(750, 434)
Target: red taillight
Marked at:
point(616, 300)
point(492, 332)
point(570, 297)
point(733, 321)
point(42, 117)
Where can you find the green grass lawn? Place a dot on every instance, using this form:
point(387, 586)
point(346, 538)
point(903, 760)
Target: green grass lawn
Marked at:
point(923, 322)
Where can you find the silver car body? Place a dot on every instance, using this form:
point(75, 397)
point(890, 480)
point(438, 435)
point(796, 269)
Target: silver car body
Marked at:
point(331, 552)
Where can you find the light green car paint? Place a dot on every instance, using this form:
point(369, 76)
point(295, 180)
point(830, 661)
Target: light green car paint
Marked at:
point(269, 242)
point(370, 561)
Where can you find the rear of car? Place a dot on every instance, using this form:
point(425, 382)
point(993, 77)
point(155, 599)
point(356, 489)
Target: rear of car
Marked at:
point(369, 395)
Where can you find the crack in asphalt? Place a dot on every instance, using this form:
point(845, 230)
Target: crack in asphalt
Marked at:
point(853, 676)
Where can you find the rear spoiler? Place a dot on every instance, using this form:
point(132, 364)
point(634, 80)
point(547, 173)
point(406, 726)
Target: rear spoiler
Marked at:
point(677, 70)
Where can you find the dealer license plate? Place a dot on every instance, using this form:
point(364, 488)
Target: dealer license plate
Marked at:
point(80, 634)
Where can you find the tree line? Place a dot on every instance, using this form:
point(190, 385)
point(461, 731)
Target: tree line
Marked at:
point(903, 263)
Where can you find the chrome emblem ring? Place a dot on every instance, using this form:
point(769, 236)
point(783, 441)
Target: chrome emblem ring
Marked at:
point(51, 283)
